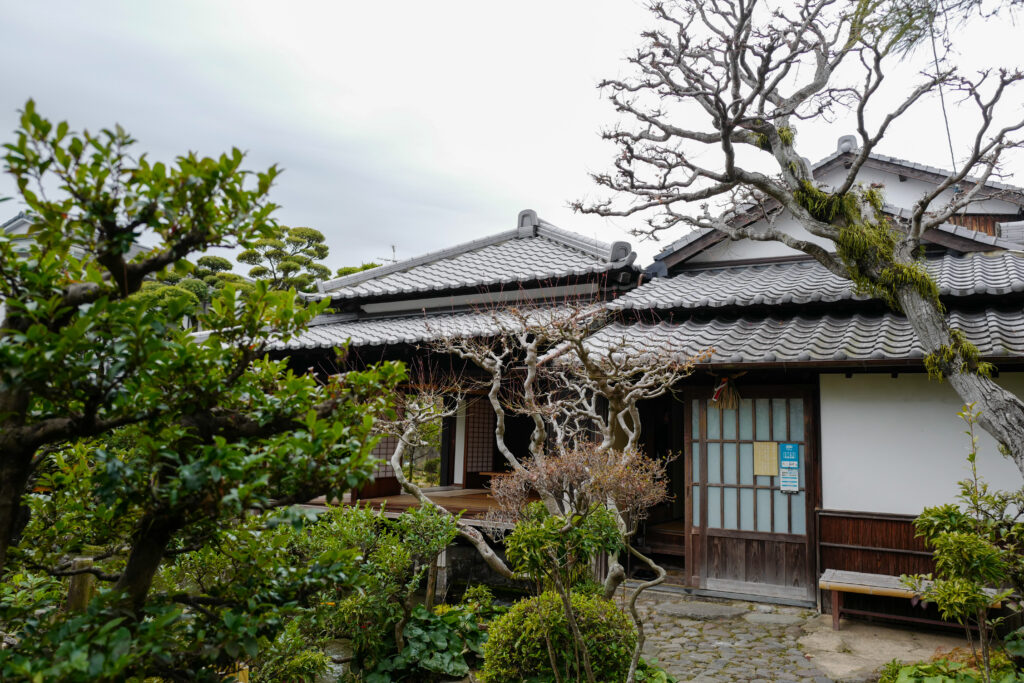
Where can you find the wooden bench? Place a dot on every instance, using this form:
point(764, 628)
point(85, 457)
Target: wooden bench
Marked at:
point(838, 582)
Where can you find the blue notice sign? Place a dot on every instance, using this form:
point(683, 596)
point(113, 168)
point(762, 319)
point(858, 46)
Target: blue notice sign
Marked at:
point(789, 467)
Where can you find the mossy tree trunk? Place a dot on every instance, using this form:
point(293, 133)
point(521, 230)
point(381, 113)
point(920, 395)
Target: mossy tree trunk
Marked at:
point(1002, 413)
point(707, 136)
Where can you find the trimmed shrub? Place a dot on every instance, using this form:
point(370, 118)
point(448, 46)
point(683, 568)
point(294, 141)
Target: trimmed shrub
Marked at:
point(517, 643)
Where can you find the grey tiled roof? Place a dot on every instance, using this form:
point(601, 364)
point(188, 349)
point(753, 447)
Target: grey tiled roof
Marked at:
point(507, 258)
point(330, 331)
point(810, 340)
point(685, 240)
point(401, 330)
point(798, 282)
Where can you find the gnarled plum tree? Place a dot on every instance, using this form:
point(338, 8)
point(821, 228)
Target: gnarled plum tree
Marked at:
point(708, 132)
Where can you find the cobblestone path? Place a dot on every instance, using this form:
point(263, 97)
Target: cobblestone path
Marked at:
point(712, 641)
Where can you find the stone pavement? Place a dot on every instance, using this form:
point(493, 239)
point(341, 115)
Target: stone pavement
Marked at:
point(724, 640)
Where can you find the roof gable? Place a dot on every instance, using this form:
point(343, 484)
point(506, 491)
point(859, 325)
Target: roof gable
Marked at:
point(534, 251)
point(699, 240)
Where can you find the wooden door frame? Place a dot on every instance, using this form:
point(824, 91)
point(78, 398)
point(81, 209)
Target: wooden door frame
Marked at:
point(697, 537)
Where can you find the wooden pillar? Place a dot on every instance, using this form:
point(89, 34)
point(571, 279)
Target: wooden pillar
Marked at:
point(81, 587)
point(837, 608)
point(428, 600)
point(442, 572)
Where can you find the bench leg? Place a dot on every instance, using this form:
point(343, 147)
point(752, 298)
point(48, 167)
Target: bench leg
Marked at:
point(837, 608)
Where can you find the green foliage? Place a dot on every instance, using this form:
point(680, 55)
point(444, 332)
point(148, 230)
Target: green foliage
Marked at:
point(547, 546)
point(203, 279)
point(288, 259)
point(890, 671)
point(960, 356)
point(437, 646)
point(349, 270)
point(395, 557)
point(649, 673)
point(148, 447)
point(478, 599)
point(977, 550)
point(1013, 642)
point(867, 243)
point(942, 671)
point(517, 647)
point(249, 582)
point(211, 265)
point(180, 297)
point(289, 658)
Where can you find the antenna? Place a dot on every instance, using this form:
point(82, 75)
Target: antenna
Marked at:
point(393, 259)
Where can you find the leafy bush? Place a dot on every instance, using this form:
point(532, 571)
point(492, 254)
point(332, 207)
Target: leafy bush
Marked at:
point(943, 671)
point(290, 658)
point(649, 673)
point(547, 548)
point(523, 642)
point(890, 671)
point(478, 599)
point(387, 560)
point(436, 646)
point(395, 558)
point(977, 551)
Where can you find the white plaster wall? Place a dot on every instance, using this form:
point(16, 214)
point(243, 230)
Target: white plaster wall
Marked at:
point(460, 443)
point(907, 192)
point(896, 444)
point(729, 250)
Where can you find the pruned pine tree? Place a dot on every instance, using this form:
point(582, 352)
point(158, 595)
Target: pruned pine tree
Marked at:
point(289, 259)
point(708, 131)
point(349, 270)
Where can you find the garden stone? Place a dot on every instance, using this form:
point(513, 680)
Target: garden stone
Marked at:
point(336, 649)
point(703, 640)
point(773, 618)
point(703, 611)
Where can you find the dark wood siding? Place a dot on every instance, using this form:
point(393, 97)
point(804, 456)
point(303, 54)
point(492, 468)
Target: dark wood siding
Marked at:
point(875, 543)
point(985, 223)
point(869, 542)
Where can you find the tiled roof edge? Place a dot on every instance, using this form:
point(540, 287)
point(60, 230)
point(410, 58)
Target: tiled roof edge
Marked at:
point(683, 241)
point(21, 215)
point(910, 166)
point(363, 276)
point(588, 245)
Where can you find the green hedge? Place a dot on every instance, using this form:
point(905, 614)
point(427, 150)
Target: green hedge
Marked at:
point(516, 649)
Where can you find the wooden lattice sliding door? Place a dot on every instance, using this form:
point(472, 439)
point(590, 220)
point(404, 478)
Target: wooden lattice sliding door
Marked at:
point(747, 535)
point(480, 442)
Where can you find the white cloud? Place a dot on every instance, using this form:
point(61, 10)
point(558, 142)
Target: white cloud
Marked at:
point(408, 123)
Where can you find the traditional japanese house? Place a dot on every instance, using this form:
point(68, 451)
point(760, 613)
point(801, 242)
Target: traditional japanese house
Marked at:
point(827, 384)
point(393, 312)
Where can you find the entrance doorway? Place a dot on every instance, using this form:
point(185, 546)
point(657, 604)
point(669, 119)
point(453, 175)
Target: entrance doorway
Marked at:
point(751, 531)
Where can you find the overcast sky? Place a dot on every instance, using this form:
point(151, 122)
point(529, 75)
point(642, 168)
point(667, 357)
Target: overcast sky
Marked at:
point(406, 123)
